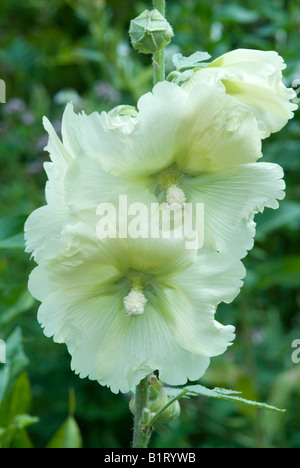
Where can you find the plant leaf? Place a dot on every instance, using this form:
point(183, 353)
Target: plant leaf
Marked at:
point(220, 393)
point(67, 436)
point(195, 60)
point(16, 430)
point(17, 402)
point(11, 232)
point(15, 362)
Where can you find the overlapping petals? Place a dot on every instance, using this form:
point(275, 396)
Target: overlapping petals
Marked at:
point(254, 79)
point(126, 306)
point(83, 306)
point(200, 141)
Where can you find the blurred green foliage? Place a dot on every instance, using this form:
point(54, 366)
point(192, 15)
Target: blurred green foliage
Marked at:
point(50, 51)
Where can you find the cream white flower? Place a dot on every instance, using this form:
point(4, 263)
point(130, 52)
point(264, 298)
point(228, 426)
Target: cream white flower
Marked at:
point(186, 146)
point(127, 307)
point(254, 79)
point(48, 222)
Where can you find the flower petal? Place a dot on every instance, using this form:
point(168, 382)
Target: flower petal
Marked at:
point(213, 135)
point(190, 304)
point(109, 347)
point(43, 224)
point(144, 344)
point(69, 130)
point(149, 147)
point(231, 199)
point(254, 79)
point(87, 185)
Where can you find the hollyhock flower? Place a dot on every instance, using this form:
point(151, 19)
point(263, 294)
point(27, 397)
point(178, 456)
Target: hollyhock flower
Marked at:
point(254, 79)
point(48, 222)
point(127, 307)
point(193, 147)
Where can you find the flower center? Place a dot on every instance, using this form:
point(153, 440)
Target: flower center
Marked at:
point(175, 197)
point(135, 302)
point(169, 180)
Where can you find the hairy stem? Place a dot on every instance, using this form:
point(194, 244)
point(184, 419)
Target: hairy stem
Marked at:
point(159, 73)
point(141, 432)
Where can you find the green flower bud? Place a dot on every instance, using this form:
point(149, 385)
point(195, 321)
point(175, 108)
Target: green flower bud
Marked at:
point(150, 32)
point(157, 400)
point(155, 387)
point(172, 412)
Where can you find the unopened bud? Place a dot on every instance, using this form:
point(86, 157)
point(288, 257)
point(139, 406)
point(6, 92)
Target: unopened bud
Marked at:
point(170, 413)
point(150, 32)
point(157, 400)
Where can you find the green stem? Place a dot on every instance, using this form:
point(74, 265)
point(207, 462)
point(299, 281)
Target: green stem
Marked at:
point(141, 432)
point(159, 73)
point(160, 5)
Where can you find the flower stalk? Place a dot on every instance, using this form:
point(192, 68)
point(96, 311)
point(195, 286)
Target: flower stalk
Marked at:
point(142, 431)
point(159, 73)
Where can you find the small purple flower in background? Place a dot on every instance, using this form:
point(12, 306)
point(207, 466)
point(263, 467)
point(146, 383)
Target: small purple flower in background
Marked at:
point(27, 118)
point(57, 125)
point(14, 106)
point(106, 91)
point(36, 166)
point(18, 107)
point(41, 143)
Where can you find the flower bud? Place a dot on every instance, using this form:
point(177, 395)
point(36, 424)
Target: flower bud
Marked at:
point(170, 413)
point(157, 400)
point(150, 32)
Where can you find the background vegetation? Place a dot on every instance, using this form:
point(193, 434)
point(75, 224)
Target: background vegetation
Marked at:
point(51, 52)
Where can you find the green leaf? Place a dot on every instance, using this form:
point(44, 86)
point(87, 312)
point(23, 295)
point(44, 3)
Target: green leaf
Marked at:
point(89, 54)
point(67, 436)
point(24, 303)
point(283, 272)
point(72, 402)
point(237, 14)
point(11, 225)
point(14, 417)
point(195, 60)
point(288, 216)
point(14, 242)
point(220, 393)
point(21, 440)
point(15, 362)
point(24, 420)
point(17, 402)
point(285, 386)
point(11, 434)
point(11, 232)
